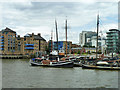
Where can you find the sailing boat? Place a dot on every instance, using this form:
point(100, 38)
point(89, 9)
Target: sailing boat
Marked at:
point(52, 63)
point(102, 64)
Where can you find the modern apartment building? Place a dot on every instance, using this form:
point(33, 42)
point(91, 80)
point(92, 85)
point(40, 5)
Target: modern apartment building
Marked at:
point(27, 45)
point(113, 41)
point(101, 41)
point(85, 36)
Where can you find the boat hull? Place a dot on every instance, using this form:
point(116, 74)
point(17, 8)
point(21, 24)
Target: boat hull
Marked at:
point(63, 65)
point(77, 65)
point(99, 67)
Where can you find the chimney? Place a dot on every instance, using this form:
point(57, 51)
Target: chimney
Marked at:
point(32, 34)
point(39, 34)
point(18, 35)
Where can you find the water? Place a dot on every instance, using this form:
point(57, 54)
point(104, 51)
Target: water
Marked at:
point(19, 74)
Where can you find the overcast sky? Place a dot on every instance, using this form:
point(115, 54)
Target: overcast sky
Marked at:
point(39, 17)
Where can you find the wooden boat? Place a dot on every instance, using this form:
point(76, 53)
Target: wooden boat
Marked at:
point(78, 64)
point(100, 67)
point(48, 63)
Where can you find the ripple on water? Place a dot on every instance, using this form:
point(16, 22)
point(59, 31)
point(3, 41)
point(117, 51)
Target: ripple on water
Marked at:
point(19, 74)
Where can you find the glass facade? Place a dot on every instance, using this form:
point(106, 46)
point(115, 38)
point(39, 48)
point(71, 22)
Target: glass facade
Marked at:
point(113, 41)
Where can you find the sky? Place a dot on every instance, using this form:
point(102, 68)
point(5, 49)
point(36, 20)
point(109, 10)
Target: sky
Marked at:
point(29, 16)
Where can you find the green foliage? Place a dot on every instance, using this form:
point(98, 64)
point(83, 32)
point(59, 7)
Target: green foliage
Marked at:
point(78, 52)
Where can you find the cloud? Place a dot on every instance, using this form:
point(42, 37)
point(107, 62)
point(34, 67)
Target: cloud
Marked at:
point(38, 17)
point(81, 1)
point(107, 27)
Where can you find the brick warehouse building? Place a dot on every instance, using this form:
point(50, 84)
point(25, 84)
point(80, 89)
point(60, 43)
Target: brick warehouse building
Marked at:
point(8, 38)
point(28, 45)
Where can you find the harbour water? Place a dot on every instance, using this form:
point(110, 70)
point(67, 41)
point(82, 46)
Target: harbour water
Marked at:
point(17, 73)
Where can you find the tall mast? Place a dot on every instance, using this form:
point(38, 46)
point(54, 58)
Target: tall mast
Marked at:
point(56, 36)
point(97, 36)
point(51, 40)
point(66, 36)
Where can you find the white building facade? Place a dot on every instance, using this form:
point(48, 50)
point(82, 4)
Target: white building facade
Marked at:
point(85, 37)
point(89, 38)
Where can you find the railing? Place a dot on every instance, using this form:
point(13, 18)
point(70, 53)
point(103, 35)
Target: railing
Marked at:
point(1, 48)
point(2, 42)
point(29, 48)
point(2, 39)
point(2, 36)
point(29, 44)
point(1, 45)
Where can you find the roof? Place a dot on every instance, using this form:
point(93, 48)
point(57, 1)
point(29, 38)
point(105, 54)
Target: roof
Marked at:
point(7, 30)
point(18, 38)
point(27, 35)
point(113, 30)
point(62, 41)
point(37, 37)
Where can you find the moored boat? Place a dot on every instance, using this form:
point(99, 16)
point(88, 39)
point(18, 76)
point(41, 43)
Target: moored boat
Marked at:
point(104, 64)
point(100, 67)
point(54, 63)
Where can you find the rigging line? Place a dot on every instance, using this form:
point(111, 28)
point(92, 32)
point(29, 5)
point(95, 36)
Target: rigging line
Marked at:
point(101, 22)
point(71, 34)
point(54, 35)
point(102, 35)
point(103, 30)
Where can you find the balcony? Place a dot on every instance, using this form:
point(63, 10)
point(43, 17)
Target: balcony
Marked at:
point(2, 39)
point(29, 44)
point(1, 45)
point(2, 42)
point(1, 48)
point(29, 48)
point(2, 36)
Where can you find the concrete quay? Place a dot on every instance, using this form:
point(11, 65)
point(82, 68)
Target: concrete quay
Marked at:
point(13, 57)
